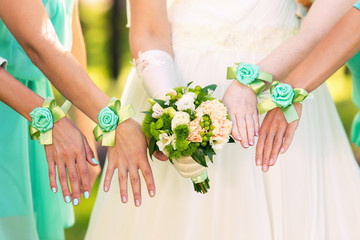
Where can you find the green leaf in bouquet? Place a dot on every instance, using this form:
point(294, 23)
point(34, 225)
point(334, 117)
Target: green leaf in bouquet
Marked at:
point(147, 113)
point(199, 157)
point(152, 144)
point(161, 103)
point(231, 140)
point(209, 151)
point(211, 87)
point(171, 161)
point(188, 85)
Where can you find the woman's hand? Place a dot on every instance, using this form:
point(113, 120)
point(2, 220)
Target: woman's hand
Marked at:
point(70, 153)
point(241, 103)
point(275, 137)
point(128, 156)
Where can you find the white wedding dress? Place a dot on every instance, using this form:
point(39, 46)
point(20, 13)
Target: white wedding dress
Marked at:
point(313, 191)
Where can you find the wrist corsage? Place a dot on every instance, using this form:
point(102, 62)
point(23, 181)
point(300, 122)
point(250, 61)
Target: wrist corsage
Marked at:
point(109, 118)
point(249, 75)
point(283, 96)
point(43, 119)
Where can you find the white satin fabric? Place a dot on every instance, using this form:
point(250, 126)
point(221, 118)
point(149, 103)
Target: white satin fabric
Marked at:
point(312, 192)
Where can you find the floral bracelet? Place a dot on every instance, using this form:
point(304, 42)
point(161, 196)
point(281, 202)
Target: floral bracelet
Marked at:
point(283, 96)
point(249, 75)
point(43, 119)
point(109, 118)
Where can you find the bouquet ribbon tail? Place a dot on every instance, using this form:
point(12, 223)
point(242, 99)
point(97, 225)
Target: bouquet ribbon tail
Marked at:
point(201, 183)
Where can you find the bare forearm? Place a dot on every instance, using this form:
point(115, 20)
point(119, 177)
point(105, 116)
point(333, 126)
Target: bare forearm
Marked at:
point(339, 45)
point(17, 96)
point(322, 16)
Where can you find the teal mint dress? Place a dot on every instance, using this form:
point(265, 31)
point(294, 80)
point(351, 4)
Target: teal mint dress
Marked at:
point(354, 66)
point(28, 208)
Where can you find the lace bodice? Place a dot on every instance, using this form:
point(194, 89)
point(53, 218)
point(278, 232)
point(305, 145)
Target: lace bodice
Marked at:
point(241, 25)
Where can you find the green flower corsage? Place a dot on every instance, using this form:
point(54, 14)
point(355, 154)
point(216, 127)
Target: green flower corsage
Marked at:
point(43, 119)
point(283, 96)
point(109, 118)
point(249, 75)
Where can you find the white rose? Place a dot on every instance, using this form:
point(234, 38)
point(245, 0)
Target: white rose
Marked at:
point(180, 118)
point(217, 143)
point(163, 142)
point(186, 102)
point(158, 110)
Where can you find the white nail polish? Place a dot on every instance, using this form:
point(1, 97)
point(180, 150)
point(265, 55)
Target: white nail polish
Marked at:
point(258, 162)
point(124, 199)
point(271, 162)
point(137, 203)
point(106, 188)
point(152, 193)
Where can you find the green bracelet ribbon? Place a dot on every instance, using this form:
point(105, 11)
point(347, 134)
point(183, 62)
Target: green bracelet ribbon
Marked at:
point(109, 118)
point(283, 96)
point(43, 119)
point(249, 75)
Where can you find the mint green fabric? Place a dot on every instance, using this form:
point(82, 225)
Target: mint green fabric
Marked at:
point(354, 66)
point(28, 208)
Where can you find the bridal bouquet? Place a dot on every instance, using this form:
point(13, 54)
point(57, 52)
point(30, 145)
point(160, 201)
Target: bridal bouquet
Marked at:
point(189, 126)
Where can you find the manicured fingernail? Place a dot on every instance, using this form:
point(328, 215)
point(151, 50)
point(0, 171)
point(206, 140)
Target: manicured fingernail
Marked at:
point(86, 195)
point(75, 202)
point(246, 145)
point(271, 162)
point(251, 142)
point(67, 199)
point(124, 199)
point(256, 133)
point(282, 150)
point(265, 168)
point(54, 190)
point(137, 203)
point(95, 161)
point(258, 162)
point(152, 193)
point(106, 188)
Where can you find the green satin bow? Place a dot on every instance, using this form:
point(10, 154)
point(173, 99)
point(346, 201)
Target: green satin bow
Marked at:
point(108, 138)
point(258, 85)
point(288, 111)
point(57, 114)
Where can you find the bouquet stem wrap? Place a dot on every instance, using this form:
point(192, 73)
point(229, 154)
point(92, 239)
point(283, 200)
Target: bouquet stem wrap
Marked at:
point(43, 119)
point(109, 118)
point(189, 168)
point(249, 75)
point(283, 96)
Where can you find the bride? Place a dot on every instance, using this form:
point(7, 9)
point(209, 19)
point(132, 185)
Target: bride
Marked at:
point(313, 190)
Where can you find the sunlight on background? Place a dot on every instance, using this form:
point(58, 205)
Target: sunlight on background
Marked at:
point(105, 34)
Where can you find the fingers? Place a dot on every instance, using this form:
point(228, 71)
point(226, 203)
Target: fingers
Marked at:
point(149, 179)
point(84, 176)
point(52, 168)
point(260, 147)
point(250, 129)
point(234, 131)
point(136, 186)
point(74, 182)
point(241, 125)
point(289, 135)
point(108, 176)
point(276, 146)
point(267, 150)
point(256, 122)
point(123, 183)
point(90, 157)
point(64, 182)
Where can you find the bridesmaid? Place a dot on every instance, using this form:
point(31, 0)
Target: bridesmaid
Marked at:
point(337, 47)
point(35, 37)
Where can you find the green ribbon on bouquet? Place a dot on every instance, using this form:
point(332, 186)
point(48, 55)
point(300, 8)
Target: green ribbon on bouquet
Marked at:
point(283, 96)
point(109, 118)
point(249, 75)
point(43, 119)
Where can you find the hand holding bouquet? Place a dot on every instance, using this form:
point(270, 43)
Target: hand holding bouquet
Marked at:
point(189, 126)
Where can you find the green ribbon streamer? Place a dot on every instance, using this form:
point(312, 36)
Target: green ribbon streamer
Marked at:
point(258, 85)
point(199, 179)
point(108, 138)
point(57, 114)
point(289, 111)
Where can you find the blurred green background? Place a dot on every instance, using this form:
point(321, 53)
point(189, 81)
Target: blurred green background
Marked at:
point(106, 38)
